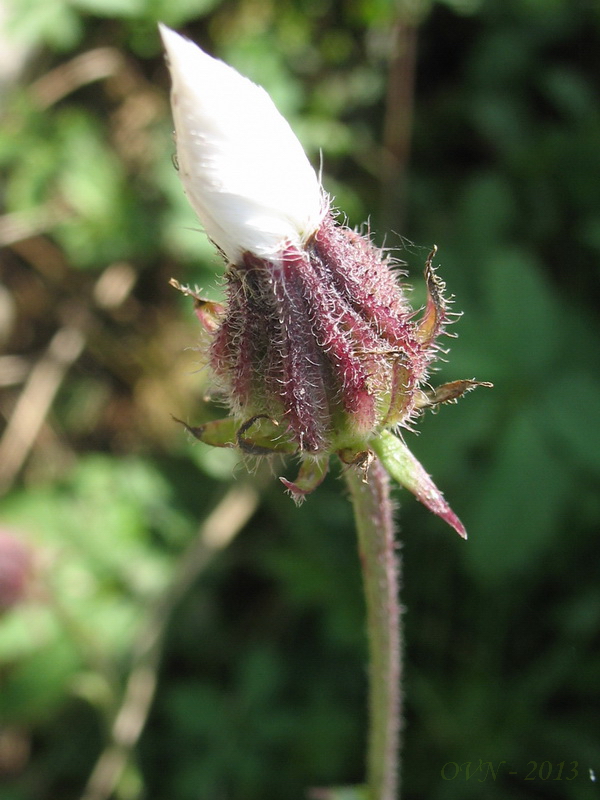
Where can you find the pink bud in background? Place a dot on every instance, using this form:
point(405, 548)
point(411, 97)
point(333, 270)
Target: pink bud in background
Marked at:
point(15, 569)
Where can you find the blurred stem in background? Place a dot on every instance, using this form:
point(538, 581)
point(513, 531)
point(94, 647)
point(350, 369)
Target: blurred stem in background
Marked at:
point(397, 128)
point(216, 533)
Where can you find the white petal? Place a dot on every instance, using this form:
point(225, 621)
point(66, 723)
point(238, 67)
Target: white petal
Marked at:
point(243, 169)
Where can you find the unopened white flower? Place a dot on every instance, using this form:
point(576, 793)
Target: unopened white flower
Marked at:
point(316, 350)
point(243, 169)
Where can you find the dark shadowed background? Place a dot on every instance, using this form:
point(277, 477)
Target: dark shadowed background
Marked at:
point(168, 633)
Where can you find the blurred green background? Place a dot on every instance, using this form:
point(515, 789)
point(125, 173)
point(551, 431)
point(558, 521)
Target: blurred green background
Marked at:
point(152, 650)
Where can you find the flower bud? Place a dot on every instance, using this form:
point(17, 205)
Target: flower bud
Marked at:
point(317, 350)
point(244, 171)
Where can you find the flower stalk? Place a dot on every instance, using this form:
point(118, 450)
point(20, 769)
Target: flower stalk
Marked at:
point(380, 568)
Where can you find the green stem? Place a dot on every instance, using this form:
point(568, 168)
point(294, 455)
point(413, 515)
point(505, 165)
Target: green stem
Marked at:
point(380, 566)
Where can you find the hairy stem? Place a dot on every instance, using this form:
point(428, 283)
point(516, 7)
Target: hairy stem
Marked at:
point(380, 566)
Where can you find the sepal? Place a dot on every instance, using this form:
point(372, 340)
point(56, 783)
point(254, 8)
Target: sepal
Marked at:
point(208, 312)
point(404, 468)
point(258, 436)
point(311, 475)
point(436, 311)
point(447, 393)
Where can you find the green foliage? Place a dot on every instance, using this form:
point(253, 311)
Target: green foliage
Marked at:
point(97, 540)
point(261, 686)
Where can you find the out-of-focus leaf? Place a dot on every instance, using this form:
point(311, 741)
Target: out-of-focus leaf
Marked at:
point(35, 687)
point(111, 8)
point(26, 629)
point(522, 313)
point(517, 511)
point(177, 12)
point(98, 565)
point(569, 407)
point(52, 22)
point(486, 212)
point(569, 91)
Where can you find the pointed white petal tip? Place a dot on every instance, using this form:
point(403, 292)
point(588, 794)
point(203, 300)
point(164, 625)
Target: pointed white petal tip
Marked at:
point(243, 169)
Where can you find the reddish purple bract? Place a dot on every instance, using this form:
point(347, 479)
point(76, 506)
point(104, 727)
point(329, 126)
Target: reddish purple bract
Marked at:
point(323, 341)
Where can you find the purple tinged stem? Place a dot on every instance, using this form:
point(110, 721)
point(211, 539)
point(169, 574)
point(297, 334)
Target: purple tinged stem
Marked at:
point(380, 567)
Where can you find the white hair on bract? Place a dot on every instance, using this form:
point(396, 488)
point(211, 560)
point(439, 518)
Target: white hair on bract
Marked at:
point(242, 167)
